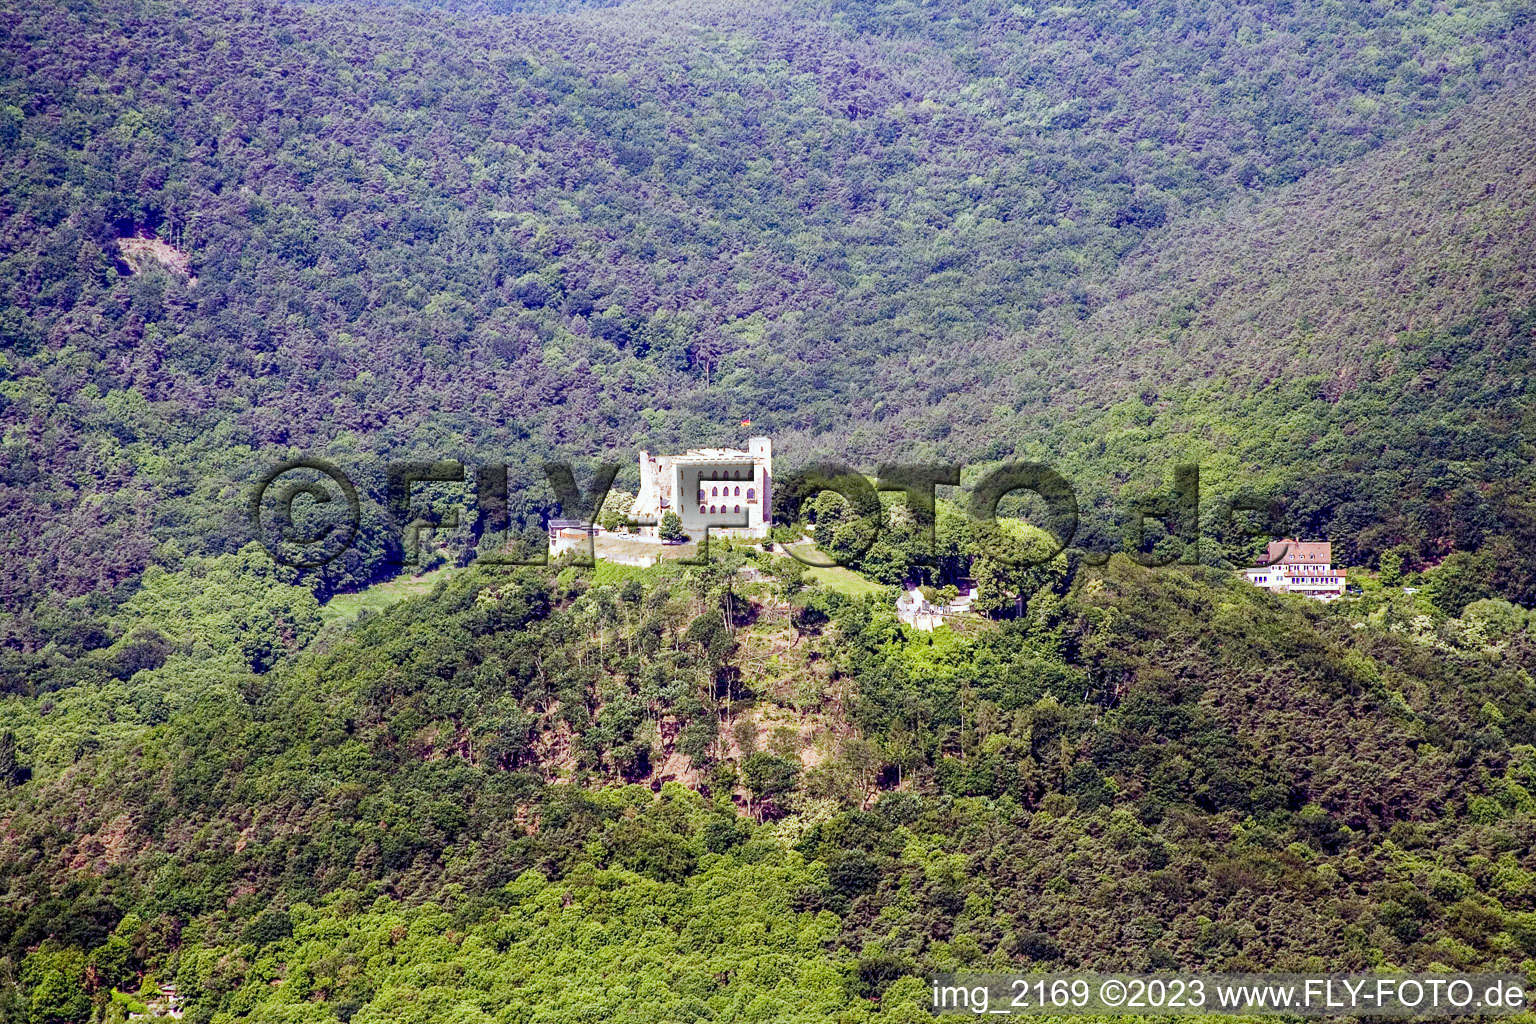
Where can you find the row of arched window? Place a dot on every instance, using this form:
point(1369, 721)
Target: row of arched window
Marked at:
point(714, 492)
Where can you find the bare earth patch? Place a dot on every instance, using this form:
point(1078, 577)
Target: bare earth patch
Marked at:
point(140, 253)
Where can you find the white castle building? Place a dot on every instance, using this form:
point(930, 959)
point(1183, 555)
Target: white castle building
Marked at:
point(1299, 567)
point(725, 489)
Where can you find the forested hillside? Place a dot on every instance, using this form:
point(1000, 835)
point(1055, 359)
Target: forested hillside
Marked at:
point(400, 823)
point(431, 234)
point(1287, 242)
point(1356, 346)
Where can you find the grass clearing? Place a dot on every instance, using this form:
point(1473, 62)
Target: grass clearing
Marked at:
point(345, 607)
point(614, 573)
point(844, 581)
point(833, 577)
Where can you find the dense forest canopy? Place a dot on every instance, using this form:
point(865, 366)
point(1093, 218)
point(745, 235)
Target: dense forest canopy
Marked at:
point(420, 234)
point(1105, 780)
point(1286, 243)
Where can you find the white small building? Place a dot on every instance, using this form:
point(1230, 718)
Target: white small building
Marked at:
point(566, 535)
point(1299, 567)
point(916, 611)
point(167, 1004)
point(728, 490)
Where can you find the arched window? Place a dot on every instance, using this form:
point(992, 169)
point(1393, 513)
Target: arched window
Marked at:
point(701, 495)
point(714, 492)
point(738, 492)
point(738, 508)
point(711, 510)
point(751, 493)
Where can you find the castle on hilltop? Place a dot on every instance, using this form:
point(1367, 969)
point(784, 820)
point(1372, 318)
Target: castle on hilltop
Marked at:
point(1299, 567)
point(728, 490)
